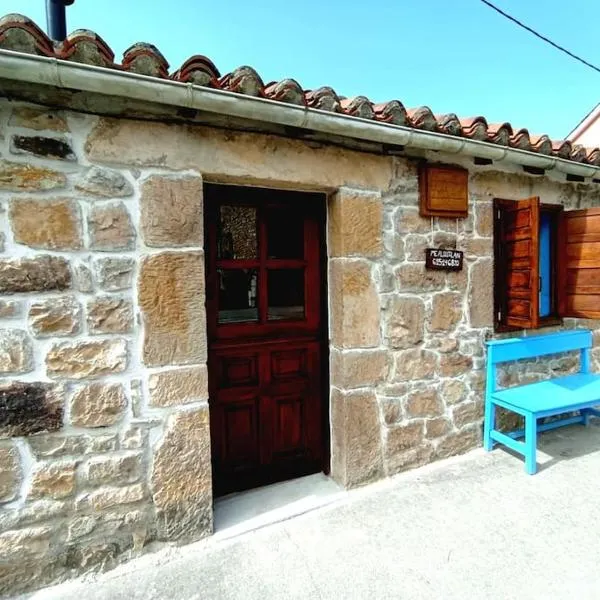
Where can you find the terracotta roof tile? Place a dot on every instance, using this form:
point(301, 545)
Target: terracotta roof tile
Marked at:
point(500, 133)
point(360, 106)
point(324, 98)
point(145, 59)
point(198, 70)
point(20, 34)
point(391, 112)
point(475, 128)
point(84, 46)
point(244, 80)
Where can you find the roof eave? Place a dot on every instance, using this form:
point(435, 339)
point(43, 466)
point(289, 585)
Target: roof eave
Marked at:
point(89, 78)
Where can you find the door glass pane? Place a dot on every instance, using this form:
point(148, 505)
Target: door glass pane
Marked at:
point(237, 295)
point(285, 289)
point(285, 234)
point(237, 232)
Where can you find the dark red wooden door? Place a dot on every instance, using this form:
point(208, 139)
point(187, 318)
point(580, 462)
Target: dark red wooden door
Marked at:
point(264, 312)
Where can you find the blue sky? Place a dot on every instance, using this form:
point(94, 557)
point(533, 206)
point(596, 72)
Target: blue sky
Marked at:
point(453, 55)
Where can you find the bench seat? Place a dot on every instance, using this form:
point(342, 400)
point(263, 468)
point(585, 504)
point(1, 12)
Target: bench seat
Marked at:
point(552, 396)
point(577, 393)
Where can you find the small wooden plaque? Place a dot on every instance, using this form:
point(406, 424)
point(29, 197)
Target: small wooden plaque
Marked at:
point(440, 259)
point(443, 192)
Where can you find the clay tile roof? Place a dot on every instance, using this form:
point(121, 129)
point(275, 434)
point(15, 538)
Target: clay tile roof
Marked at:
point(244, 80)
point(198, 70)
point(360, 106)
point(20, 34)
point(475, 128)
point(422, 118)
point(449, 124)
point(84, 46)
point(324, 98)
point(145, 59)
point(391, 112)
point(287, 90)
point(500, 133)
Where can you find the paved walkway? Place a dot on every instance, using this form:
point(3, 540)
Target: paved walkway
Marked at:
point(473, 527)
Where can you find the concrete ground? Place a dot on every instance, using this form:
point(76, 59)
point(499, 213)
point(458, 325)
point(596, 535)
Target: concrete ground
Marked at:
point(471, 527)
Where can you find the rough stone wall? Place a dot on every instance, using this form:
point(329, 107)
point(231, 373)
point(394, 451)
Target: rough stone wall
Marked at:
point(407, 345)
point(104, 430)
point(104, 438)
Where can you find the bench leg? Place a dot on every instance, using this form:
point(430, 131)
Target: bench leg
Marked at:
point(585, 416)
point(489, 425)
point(530, 443)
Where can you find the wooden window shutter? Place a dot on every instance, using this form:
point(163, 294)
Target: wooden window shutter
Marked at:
point(579, 264)
point(516, 255)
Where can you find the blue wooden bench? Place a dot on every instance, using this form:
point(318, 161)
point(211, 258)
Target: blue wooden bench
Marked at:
point(578, 392)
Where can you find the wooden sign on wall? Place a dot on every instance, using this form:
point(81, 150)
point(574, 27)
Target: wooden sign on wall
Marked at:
point(440, 259)
point(443, 191)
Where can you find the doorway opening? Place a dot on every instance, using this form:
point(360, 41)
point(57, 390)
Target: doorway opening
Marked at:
point(267, 335)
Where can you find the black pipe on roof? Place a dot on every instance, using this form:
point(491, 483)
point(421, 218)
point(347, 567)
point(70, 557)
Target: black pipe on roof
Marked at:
point(56, 18)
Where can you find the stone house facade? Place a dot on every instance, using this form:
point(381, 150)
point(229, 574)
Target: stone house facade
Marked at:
point(105, 436)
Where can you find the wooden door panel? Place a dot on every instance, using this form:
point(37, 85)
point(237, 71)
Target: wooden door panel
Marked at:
point(237, 370)
point(240, 430)
point(267, 417)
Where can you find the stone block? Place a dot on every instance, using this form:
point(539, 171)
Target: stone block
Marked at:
point(467, 414)
point(55, 317)
point(481, 295)
point(53, 480)
point(86, 359)
point(25, 543)
point(484, 218)
point(110, 314)
point(10, 471)
point(109, 497)
point(358, 368)
point(443, 239)
point(408, 220)
point(354, 304)
point(178, 386)
point(98, 405)
point(405, 322)
point(110, 227)
point(355, 223)
point(413, 277)
point(117, 469)
point(424, 403)
point(414, 247)
point(414, 364)
point(171, 299)
point(19, 177)
point(453, 392)
point(58, 445)
point(83, 279)
point(104, 183)
point(181, 481)
point(242, 155)
point(58, 148)
point(401, 438)
point(52, 224)
point(29, 407)
point(446, 311)
point(454, 364)
point(437, 427)
point(40, 274)
point(171, 211)
point(114, 274)
point(356, 453)
point(398, 462)
point(10, 309)
point(391, 409)
point(459, 443)
point(16, 352)
point(38, 119)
